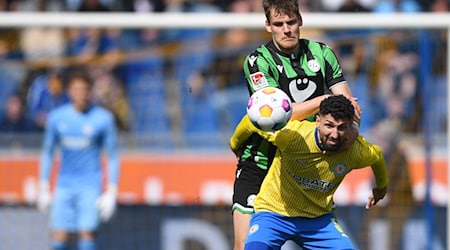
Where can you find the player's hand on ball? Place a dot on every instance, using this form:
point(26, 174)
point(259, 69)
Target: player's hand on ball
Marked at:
point(107, 202)
point(44, 199)
point(376, 195)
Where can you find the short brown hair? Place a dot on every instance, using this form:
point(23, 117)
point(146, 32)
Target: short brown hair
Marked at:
point(79, 74)
point(288, 7)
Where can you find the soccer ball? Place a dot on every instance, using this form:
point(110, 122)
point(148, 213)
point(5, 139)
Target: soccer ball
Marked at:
point(269, 109)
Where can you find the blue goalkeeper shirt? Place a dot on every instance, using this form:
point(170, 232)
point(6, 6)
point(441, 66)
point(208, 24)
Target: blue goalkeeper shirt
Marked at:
point(81, 138)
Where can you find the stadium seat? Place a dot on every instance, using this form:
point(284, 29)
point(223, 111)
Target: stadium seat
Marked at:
point(145, 85)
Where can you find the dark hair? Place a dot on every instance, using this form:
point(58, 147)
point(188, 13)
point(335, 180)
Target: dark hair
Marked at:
point(288, 7)
point(338, 106)
point(79, 75)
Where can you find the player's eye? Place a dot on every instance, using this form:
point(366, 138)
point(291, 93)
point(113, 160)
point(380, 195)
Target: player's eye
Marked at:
point(292, 22)
point(278, 24)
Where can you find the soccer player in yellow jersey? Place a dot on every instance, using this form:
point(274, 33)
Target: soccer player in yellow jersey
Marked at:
point(296, 197)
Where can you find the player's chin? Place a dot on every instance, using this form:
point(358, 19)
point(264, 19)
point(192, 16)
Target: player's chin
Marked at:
point(332, 146)
point(288, 44)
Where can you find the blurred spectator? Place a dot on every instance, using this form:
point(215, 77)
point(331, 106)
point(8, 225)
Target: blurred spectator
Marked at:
point(11, 73)
point(87, 45)
point(390, 6)
point(15, 120)
point(41, 5)
point(42, 43)
point(394, 80)
point(386, 135)
point(93, 6)
point(9, 5)
point(440, 6)
point(334, 5)
point(14, 125)
point(226, 74)
point(108, 92)
point(353, 6)
point(310, 6)
point(142, 5)
point(45, 93)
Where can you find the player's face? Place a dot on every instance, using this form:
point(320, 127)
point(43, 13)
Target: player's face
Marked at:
point(285, 31)
point(79, 92)
point(332, 132)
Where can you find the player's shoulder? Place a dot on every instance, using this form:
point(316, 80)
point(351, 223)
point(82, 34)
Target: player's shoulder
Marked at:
point(300, 128)
point(60, 110)
point(312, 44)
point(361, 144)
point(101, 111)
point(261, 51)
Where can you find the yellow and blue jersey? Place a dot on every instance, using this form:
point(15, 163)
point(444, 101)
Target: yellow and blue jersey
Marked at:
point(302, 178)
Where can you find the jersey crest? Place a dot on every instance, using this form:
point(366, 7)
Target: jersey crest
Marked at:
point(259, 80)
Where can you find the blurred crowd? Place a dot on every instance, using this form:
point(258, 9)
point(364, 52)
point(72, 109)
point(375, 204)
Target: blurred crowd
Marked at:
point(220, 5)
point(189, 83)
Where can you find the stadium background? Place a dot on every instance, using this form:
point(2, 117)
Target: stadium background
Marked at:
point(177, 93)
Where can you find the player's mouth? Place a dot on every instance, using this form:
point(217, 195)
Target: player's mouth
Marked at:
point(332, 142)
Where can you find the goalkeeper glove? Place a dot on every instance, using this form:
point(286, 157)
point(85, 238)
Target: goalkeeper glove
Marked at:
point(106, 203)
point(44, 198)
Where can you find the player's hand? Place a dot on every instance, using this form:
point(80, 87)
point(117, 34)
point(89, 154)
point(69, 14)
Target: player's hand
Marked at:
point(376, 195)
point(44, 199)
point(106, 203)
point(358, 110)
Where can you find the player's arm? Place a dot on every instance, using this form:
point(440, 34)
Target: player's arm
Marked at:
point(303, 110)
point(257, 71)
point(106, 203)
point(241, 133)
point(45, 165)
point(344, 89)
point(335, 80)
point(375, 157)
point(110, 145)
point(48, 148)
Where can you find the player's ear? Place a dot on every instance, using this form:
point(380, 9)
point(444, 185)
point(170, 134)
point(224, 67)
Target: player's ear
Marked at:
point(268, 28)
point(317, 121)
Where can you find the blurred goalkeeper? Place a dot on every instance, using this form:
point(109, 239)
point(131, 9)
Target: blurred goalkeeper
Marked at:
point(306, 70)
point(81, 130)
point(296, 197)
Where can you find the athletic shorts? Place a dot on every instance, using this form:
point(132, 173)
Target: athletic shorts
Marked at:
point(247, 182)
point(74, 209)
point(270, 231)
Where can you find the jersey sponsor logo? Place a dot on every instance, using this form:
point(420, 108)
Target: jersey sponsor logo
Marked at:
point(238, 173)
point(340, 169)
point(87, 129)
point(259, 81)
point(302, 89)
point(72, 142)
point(280, 68)
point(251, 200)
point(314, 65)
point(319, 185)
point(252, 60)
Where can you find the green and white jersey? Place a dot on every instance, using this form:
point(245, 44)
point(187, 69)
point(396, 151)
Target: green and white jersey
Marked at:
point(313, 72)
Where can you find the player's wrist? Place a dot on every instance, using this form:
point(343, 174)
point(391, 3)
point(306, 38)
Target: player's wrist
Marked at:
point(112, 188)
point(44, 185)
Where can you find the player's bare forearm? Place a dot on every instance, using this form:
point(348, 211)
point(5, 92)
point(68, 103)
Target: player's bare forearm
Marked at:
point(344, 89)
point(303, 110)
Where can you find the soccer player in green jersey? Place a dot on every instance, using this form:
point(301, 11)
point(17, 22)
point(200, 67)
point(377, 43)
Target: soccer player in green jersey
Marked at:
point(306, 70)
point(296, 197)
